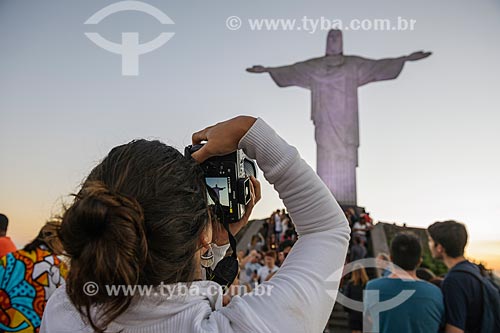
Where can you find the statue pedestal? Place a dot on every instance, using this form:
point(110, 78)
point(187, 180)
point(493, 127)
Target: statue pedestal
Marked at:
point(339, 175)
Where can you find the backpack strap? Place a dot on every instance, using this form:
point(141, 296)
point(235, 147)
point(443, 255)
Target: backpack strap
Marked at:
point(479, 277)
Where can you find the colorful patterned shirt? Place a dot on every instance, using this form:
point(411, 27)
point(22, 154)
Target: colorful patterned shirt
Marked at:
point(27, 279)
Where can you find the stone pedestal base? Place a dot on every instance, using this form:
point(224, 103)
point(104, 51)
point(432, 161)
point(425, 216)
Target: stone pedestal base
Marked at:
point(340, 177)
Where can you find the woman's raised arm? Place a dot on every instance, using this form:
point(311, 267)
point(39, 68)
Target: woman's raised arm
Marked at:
point(300, 297)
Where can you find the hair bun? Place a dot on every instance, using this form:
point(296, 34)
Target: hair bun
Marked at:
point(99, 213)
point(98, 206)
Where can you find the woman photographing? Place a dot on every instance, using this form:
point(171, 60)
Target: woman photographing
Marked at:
point(141, 218)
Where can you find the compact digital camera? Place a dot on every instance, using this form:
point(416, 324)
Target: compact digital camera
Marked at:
point(229, 179)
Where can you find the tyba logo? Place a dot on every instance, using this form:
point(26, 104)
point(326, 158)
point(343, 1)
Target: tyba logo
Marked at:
point(129, 49)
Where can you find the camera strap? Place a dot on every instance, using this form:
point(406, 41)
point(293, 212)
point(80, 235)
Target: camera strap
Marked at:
point(227, 269)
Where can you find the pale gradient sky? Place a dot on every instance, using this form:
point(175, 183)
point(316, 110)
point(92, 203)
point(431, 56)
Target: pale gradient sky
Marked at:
point(429, 140)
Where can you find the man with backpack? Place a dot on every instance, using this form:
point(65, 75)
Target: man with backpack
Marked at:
point(472, 301)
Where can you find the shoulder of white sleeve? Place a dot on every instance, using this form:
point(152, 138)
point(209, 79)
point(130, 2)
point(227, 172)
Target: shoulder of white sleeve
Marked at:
point(273, 154)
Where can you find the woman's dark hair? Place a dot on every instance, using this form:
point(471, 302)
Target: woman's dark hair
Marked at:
point(135, 221)
point(451, 235)
point(47, 237)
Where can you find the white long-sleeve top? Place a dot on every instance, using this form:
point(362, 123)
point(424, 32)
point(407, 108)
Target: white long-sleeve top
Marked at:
point(299, 297)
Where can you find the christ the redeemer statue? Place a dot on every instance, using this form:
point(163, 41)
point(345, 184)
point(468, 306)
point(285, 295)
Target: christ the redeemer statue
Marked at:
point(217, 190)
point(334, 80)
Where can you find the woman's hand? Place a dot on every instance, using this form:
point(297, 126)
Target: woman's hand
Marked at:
point(222, 138)
point(219, 234)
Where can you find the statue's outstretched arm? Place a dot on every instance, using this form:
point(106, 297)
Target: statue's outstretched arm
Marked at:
point(298, 74)
point(370, 70)
point(418, 55)
point(258, 69)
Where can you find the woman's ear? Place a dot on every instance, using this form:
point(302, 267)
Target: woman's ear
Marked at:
point(206, 236)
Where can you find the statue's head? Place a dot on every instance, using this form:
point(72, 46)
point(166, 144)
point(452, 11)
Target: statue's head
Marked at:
point(334, 43)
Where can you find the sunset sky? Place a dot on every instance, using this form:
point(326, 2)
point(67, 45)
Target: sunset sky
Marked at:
point(429, 140)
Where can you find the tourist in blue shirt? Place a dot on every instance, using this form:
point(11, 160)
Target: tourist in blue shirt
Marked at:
point(421, 310)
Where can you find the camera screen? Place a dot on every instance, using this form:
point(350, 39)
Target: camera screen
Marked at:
point(221, 187)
